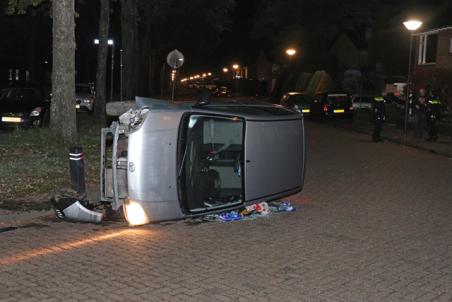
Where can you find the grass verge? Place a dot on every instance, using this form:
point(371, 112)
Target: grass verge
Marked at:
point(34, 162)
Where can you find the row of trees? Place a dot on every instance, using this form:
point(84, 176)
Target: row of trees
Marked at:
point(149, 28)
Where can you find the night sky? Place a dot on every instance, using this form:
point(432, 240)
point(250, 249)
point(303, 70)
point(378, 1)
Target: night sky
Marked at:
point(20, 34)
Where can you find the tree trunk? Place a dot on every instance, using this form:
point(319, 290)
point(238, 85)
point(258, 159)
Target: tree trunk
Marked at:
point(102, 54)
point(62, 111)
point(129, 38)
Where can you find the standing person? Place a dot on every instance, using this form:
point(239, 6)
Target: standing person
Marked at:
point(433, 113)
point(378, 117)
point(420, 108)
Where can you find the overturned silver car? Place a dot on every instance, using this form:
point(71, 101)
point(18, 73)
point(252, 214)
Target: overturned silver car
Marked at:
point(170, 161)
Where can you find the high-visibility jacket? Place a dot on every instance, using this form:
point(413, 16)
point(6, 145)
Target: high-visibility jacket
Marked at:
point(378, 109)
point(434, 108)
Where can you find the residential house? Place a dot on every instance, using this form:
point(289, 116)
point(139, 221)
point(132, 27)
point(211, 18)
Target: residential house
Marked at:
point(432, 64)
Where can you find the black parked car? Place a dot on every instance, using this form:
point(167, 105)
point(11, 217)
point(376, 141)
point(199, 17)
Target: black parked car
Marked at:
point(23, 106)
point(333, 104)
point(298, 101)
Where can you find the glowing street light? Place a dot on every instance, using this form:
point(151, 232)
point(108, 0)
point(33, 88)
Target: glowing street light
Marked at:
point(235, 66)
point(225, 70)
point(112, 44)
point(291, 52)
point(209, 74)
point(411, 25)
point(109, 42)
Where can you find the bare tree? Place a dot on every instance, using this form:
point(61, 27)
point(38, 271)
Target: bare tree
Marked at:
point(129, 37)
point(62, 111)
point(102, 53)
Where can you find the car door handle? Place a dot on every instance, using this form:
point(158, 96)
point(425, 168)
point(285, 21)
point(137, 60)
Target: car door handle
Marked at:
point(247, 161)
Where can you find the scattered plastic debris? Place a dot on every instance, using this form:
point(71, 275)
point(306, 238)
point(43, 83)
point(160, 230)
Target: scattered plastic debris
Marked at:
point(283, 206)
point(253, 211)
point(230, 216)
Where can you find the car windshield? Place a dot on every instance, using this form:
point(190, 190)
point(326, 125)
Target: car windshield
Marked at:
point(298, 99)
point(19, 94)
point(338, 99)
point(83, 89)
point(5, 93)
point(211, 167)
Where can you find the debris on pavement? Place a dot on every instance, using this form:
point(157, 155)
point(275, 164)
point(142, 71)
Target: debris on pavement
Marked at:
point(283, 206)
point(230, 216)
point(262, 209)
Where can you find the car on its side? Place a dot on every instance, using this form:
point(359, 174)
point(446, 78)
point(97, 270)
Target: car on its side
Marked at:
point(84, 97)
point(298, 101)
point(176, 160)
point(334, 105)
point(23, 106)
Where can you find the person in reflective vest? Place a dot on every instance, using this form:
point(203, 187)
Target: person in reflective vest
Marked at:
point(378, 117)
point(433, 114)
point(420, 108)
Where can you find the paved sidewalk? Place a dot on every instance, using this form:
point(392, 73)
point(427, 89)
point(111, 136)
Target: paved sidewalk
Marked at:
point(373, 224)
point(394, 134)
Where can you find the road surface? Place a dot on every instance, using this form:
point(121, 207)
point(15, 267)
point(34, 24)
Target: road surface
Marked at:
point(373, 224)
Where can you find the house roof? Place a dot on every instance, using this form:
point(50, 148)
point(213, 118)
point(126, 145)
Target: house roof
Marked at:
point(433, 31)
point(354, 37)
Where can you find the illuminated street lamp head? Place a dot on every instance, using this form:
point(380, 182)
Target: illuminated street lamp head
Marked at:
point(290, 52)
point(110, 41)
point(235, 66)
point(225, 70)
point(412, 25)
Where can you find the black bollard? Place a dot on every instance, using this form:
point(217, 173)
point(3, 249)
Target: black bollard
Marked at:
point(77, 169)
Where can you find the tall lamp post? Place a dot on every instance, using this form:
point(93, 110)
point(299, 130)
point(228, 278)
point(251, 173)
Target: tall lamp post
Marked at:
point(291, 52)
point(235, 68)
point(112, 44)
point(412, 26)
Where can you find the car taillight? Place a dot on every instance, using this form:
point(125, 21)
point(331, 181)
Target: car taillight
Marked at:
point(325, 108)
point(350, 108)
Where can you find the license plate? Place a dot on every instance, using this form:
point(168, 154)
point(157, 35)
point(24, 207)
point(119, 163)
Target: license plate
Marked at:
point(306, 110)
point(10, 119)
point(339, 110)
point(77, 106)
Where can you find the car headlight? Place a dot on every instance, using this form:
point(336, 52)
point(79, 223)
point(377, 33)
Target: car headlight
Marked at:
point(87, 101)
point(135, 213)
point(36, 112)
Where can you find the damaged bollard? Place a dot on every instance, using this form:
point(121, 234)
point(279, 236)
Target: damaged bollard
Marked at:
point(77, 169)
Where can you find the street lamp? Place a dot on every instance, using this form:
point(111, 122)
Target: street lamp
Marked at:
point(235, 67)
point(291, 52)
point(112, 44)
point(411, 25)
point(225, 70)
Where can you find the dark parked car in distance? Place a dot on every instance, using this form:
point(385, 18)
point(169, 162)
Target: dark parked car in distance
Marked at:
point(23, 106)
point(334, 104)
point(298, 101)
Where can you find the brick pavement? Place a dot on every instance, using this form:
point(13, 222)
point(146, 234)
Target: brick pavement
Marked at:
point(373, 224)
